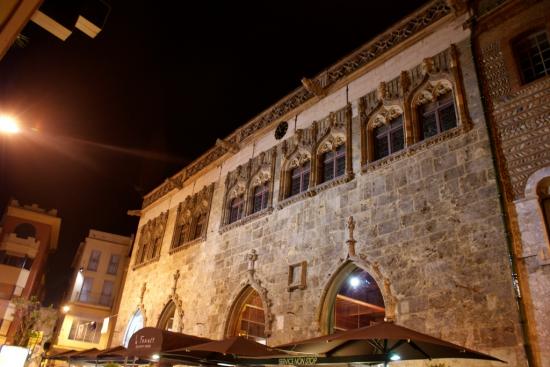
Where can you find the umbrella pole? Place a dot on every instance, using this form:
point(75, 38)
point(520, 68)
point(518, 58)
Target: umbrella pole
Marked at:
point(385, 352)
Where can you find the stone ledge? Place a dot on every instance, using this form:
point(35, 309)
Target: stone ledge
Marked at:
point(155, 259)
point(186, 245)
point(249, 218)
point(334, 182)
point(295, 198)
point(414, 148)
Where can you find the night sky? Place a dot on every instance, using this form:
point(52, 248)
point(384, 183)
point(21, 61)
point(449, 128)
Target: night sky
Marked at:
point(118, 114)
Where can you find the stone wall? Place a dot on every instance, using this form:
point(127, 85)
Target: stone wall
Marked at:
point(428, 229)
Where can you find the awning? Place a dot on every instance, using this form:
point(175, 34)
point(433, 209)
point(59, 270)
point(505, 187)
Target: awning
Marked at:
point(149, 342)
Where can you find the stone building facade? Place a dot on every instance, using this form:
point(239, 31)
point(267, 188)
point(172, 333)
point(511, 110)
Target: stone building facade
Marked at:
point(513, 46)
point(380, 164)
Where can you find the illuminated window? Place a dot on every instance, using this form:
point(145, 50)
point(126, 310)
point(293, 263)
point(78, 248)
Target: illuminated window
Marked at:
point(261, 195)
point(236, 209)
point(358, 302)
point(533, 56)
point(437, 117)
point(250, 317)
point(388, 138)
point(333, 163)
point(299, 179)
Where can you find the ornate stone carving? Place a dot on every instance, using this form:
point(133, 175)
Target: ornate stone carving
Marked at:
point(385, 115)
point(432, 91)
point(369, 52)
point(313, 87)
point(150, 241)
point(228, 146)
point(244, 179)
point(251, 258)
point(192, 212)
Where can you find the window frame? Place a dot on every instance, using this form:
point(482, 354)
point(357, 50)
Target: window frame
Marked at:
point(524, 38)
point(391, 129)
point(263, 194)
point(236, 205)
point(299, 172)
point(116, 264)
point(92, 260)
point(337, 153)
point(440, 104)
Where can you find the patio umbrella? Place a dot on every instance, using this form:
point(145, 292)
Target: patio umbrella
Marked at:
point(114, 352)
point(237, 346)
point(61, 354)
point(382, 342)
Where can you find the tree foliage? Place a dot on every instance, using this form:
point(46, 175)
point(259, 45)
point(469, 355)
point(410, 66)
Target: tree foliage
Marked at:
point(28, 315)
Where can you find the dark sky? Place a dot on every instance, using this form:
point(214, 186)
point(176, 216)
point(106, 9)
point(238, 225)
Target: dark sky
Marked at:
point(159, 80)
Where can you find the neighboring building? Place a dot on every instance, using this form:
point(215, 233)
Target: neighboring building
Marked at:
point(370, 192)
point(27, 236)
point(100, 268)
point(513, 46)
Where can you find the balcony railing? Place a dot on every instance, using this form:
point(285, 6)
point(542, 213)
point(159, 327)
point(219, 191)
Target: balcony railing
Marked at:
point(93, 298)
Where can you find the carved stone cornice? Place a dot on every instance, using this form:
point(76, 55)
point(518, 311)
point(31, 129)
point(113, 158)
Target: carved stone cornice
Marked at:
point(403, 31)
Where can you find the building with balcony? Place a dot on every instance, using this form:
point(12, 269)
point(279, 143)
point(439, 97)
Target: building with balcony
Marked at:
point(27, 236)
point(369, 192)
point(90, 308)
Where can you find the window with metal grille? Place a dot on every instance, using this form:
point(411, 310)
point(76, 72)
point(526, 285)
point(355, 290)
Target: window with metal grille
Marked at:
point(93, 262)
point(236, 209)
point(333, 163)
point(299, 179)
point(389, 138)
point(533, 55)
point(437, 117)
point(261, 195)
point(200, 221)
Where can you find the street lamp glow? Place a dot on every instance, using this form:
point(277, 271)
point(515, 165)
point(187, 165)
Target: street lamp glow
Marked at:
point(395, 357)
point(354, 282)
point(66, 308)
point(8, 125)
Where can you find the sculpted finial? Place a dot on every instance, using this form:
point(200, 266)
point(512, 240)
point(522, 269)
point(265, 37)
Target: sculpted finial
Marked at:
point(176, 277)
point(251, 257)
point(142, 294)
point(351, 241)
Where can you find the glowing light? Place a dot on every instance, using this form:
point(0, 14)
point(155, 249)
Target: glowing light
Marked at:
point(395, 357)
point(8, 125)
point(226, 364)
point(354, 282)
point(11, 356)
point(155, 357)
point(66, 308)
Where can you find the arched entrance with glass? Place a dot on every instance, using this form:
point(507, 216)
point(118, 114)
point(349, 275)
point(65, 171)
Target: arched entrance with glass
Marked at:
point(247, 316)
point(166, 319)
point(352, 300)
point(135, 324)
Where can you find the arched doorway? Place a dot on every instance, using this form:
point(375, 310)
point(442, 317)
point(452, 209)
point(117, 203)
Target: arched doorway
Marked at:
point(352, 300)
point(248, 316)
point(166, 319)
point(135, 324)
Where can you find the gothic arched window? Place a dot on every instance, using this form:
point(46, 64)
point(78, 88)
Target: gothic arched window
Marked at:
point(332, 164)
point(249, 317)
point(135, 324)
point(166, 319)
point(198, 226)
point(437, 116)
point(260, 197)
point(236, 209)
point(388, 138)
point(299, 179)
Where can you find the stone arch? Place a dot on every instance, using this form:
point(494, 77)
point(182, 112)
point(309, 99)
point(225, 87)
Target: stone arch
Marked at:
point(133, 324)
point(173, 304)
point(239, 296)
point(534, 180)
point(325, 309)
